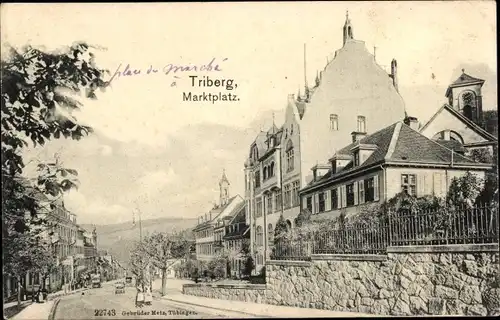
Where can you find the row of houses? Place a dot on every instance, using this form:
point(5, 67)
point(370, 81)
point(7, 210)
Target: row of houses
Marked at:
point(74, 248)
point(347, 142)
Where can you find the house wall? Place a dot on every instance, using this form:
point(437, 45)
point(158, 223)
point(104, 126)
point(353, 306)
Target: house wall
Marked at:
point(352, 85)
point(331, 213)
point(447, 121)
point(429, 181)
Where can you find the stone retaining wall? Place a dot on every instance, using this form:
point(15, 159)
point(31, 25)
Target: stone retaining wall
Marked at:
point(240, 292)
point(453, 280)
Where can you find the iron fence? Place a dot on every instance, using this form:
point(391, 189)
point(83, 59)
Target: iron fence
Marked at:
point(445, 226)
point(292, 250)
point(476, 225)
point(353, 239)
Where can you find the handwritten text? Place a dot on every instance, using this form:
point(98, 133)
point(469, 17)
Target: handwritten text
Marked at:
point(170, 68)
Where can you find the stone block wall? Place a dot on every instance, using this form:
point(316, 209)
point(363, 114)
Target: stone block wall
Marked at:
point(244, 292)
point(438, 280)
point(401, 283)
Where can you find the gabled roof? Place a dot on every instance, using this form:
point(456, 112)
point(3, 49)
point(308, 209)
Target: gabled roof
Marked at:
point(473, 126)
point(463, 80)
point(398, 143)
point(216, 214)
point(239, 215)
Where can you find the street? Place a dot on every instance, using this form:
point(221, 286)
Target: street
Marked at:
point(103, 303)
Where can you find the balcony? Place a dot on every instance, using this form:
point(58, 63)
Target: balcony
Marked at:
point(218, 244)
point(270, 182)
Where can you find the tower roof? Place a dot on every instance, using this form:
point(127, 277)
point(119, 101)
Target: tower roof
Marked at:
point(463, 80)
point(224, 178)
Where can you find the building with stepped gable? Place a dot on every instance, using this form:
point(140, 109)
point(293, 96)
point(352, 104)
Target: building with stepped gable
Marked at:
point(351, 96)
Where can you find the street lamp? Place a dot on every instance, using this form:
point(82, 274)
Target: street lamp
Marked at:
point(140, 236)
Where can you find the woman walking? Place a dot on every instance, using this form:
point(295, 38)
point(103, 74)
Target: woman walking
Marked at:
point(139, 300)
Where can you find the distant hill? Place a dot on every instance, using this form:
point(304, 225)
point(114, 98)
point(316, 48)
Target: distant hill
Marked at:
point(118, 239)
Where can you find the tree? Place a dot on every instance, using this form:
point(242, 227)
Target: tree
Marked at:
point(248, 266)
point(139, 261)
point(303, 217)
point(464, 190)
point(217, 267)
point(281, 229)
point(36, 108)
point(164, 251)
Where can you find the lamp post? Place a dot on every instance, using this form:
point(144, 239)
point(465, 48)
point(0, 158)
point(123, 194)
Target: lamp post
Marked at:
point(139, 213)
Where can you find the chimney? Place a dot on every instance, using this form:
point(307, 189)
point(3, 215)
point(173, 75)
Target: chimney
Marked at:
point(394, 73)
point(412, 122)
point(356, 136)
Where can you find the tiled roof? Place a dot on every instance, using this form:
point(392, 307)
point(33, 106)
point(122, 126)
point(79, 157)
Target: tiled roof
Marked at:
point(381, 139)
point(398, 143)
point(412, 146)
point(239, 215)
point(452, 145)
point(464, 79)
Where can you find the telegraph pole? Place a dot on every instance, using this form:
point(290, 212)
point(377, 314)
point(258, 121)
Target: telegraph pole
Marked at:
point(140, 240)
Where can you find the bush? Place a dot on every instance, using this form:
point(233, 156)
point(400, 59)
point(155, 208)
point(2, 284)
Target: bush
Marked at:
point(248, 267)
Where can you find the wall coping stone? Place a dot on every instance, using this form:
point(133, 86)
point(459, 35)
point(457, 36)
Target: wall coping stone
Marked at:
point(350, 257)
point(289, 263)
point(475, 247)
point(250, 286)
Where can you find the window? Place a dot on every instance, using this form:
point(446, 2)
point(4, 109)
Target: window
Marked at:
point(260, 236)
point(356, 158)
point(335, 199)
point(269, 203)
point(270, 234)
point(334, 122)
point(271, 170)
point(321, 202)
point(257, 179)
point(289, 157)
point(361, 192)
point(277, 199)
point(258, 207)
point(264, 175)
point(409, 184)
point(295, 193)
point(350, 194)
point(369, 190)
point(288, 194)
point(361, 124)
point(309, 204)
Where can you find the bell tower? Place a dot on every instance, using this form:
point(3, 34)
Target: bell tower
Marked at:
point(348, 29)
point(464, 95)
point(224, 189)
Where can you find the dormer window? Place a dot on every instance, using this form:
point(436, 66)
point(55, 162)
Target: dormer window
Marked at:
point(334, 122)
point(361, 124)
point(356, 158)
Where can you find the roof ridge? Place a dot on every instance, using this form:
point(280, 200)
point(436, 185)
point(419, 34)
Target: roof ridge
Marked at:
point(394, 140)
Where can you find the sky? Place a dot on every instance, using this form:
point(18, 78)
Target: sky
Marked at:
point(153, 151)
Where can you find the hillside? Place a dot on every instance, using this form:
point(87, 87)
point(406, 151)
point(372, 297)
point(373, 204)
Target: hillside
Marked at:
point(118, 239)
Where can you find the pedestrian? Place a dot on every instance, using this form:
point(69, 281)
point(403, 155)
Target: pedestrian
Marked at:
point(148, 296)
point(139, 300)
